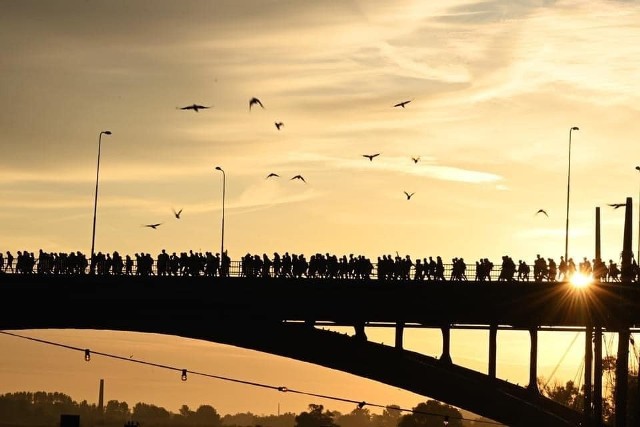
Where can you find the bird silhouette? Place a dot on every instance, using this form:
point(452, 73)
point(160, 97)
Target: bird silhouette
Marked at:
point(154, 226)
point(279, 125)
point(299, 177)
point(253, 101)
point(415, 159)
point(194, 107)
point(617, 205)
point(409, 195)
point(402, 104)
point(272, 174)
point(370, 156)
point(542, 211)
point(177, 214)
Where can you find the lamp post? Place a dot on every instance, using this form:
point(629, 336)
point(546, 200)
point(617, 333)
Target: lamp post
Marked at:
point(638, 253)
point(566, 235)
point(224, 186)
point(95, 200)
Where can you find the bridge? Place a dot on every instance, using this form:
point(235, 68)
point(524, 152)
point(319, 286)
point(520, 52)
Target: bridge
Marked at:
point(283, 315)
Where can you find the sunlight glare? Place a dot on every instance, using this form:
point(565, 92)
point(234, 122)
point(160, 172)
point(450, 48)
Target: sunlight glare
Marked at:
point(579, 280)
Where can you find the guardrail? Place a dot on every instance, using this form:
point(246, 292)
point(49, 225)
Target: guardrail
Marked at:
point(236, 269)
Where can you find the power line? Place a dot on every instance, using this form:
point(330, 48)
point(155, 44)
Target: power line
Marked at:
point(561, 359)
point(283, 389)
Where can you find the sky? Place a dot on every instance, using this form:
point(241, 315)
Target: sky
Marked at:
point(495, 88)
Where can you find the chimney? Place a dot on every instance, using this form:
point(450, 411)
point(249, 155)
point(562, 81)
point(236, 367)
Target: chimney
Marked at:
point(101, 397)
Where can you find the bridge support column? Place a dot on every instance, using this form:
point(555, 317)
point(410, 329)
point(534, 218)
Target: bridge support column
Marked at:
point(622, 378)
point(637, 403)
point(588, 367)
point(446, 344)
point(597, 377)
point(493, 345)
point(399, 334)
point(533, 362)
point(359, 331)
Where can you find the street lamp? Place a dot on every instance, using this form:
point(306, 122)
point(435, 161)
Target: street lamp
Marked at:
point(224, 186)
point(638, 253)
point(95, 200)
point(566, 236)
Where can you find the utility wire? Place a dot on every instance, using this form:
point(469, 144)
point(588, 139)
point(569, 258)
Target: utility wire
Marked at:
point(561, 359)
point(360, 403)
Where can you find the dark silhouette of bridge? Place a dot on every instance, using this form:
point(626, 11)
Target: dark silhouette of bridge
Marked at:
point(281, 316)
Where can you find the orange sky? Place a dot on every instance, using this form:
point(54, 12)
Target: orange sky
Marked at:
point(33, 366)
point(494, 89)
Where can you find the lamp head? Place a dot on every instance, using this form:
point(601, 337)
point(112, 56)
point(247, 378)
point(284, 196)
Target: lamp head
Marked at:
point(218, 168)
point(638, 168)
point(575, 128)
point(106, 132)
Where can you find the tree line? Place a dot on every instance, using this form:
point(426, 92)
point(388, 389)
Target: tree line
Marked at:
point(43, 409)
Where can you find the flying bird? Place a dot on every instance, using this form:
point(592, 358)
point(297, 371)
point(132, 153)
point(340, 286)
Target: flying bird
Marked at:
point(253, 101)
point(409, 195)
point(370, 156)
point(402, 104)
point(279, 125)
point(194, 107)
point(542, 211)
point(272, 174)
point(617, 205)
point(299, 177)
point(177, 214)
point(415, 159)
point(154, 226)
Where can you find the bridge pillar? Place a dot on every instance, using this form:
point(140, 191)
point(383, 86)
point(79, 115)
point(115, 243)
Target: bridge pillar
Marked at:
point(399, 334)
point(597, 377)
point(446, 344)
point(637, 403)
point(622, 378)
point(360, 334)
point(588, 367)
point(493, 345)
point(533, 362)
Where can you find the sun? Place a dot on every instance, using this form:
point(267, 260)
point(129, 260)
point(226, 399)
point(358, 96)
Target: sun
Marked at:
point(580, 280)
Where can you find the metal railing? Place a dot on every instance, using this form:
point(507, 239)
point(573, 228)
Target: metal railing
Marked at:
point(237, 268)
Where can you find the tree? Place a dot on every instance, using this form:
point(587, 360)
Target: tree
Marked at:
point(359, 417)
point(185, 411)
point(568, 395)
point(431, 414)
point(315, 417)
point(389, 417)
point(116, 409)
point(207, 416)
point(287, 419)
point(150, 414)
point(241, 420)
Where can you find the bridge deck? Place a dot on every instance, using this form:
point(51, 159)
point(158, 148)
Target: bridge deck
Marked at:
point(343, 302)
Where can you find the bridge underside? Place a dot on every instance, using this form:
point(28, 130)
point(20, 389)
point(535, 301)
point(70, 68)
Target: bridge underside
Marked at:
point(423, 375)
point(257, 315)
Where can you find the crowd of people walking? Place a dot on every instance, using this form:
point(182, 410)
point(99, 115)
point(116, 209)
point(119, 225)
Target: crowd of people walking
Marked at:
point(330, 266)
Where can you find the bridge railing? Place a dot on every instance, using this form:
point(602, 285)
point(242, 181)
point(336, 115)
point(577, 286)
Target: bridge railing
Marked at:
point(237, 268)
